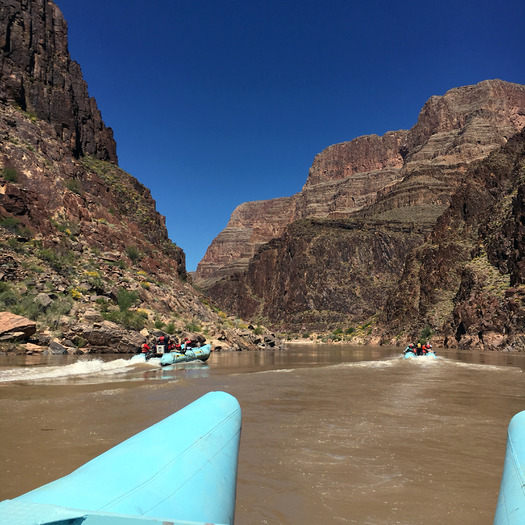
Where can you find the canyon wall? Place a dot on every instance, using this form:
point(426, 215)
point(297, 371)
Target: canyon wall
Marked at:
point(366, 208)
point(416, 167)
point(38, 76)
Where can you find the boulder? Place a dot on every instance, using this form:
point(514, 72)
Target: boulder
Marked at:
point(31, 348)
point(92, 316)
point(57, 349)
point(107, 337)
point(44, 300)
point(15, 326)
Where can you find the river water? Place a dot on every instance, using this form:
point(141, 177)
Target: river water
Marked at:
point(331, 434)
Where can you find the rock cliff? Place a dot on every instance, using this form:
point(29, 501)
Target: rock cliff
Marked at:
point(38, 76)
point(466, 283)
point(83, 251)
point(402, 169)
point(368, 204)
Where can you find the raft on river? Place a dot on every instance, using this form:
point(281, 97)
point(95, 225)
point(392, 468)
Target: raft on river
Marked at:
point(170, 358)
point(192, 354)
point(181, 470)
point(410, 355)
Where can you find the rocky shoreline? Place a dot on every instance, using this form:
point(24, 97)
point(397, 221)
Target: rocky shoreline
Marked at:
point(19, 336)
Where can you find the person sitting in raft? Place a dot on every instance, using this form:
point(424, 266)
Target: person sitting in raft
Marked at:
point(161, 344)
point(428, 348)
point(410, 348)
point(171, 344)
point(419, 350)
point(145, 347)
point(187, 344)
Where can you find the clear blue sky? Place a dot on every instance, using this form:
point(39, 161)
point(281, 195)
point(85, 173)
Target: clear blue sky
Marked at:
point(218, 102)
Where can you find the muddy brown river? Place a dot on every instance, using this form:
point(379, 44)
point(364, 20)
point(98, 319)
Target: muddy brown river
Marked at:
point(331, 434)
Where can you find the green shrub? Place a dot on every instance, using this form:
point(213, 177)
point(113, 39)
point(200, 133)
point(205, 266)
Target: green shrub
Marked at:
point(61, 306)
point(73, 185)
point(13, 225)
point(67, 227)
point(61, 261)
point(118, 264)
point(96, 282)
point(425, 334)
point(79, 342)
point(10, 223)
point(10, 174)
point(28, 307)
point(126, 299)
point(133, 253)
point(192, 327)
point(130, 320)
point(170, 328)
point(8, 298)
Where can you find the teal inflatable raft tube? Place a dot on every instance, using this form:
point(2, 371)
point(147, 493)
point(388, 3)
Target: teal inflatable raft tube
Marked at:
point(192, 354)
point(510, 509)
point(411, 355)
point(180, 470)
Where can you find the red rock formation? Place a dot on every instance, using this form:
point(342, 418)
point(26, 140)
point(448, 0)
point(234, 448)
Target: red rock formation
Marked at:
point(343, 179)
point(328, 273)
point(404, 173)
point(12, 325)
point(466, 283)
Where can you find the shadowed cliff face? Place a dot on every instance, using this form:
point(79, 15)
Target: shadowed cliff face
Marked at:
point(321, 273)
point(412, 176)
point(66, 209)
point(38, 76)
point(58, 158)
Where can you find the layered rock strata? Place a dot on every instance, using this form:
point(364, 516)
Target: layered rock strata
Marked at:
point(466, 283)
point(399, 170)
point(340, 269)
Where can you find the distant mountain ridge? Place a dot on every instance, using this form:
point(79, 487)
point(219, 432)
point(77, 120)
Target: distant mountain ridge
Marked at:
point(464, 125)
point(335, 252)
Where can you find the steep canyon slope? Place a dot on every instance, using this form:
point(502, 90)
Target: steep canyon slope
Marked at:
point(466, 282)
point(83, 250)
point(335, 252)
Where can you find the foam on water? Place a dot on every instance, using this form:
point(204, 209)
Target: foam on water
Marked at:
point(444, 361)
point(80, 369)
